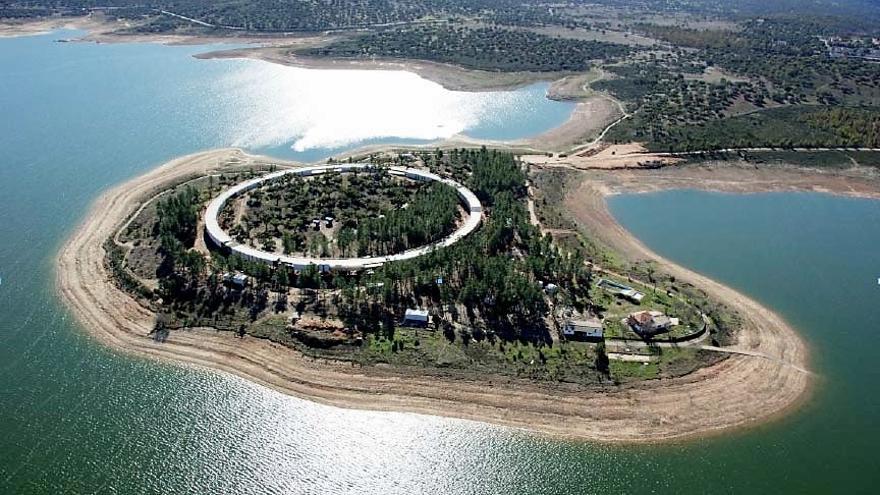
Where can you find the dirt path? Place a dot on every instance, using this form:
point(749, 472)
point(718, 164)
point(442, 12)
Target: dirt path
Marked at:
point(738, 391)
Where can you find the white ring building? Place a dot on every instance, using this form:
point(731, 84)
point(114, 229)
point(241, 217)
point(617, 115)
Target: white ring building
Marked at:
point(221, 239)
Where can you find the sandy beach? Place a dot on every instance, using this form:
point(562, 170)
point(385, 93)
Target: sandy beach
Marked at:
point(451, 77)
point(35, 27)
point(738, 391)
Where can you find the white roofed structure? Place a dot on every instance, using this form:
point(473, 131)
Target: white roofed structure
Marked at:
point(222, 239)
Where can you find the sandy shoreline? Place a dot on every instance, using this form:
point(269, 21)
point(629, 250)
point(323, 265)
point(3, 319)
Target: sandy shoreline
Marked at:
point(451, 77)
point(739, 177)
point(738, 391)
point(274, 49)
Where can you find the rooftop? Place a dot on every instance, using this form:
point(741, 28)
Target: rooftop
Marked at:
point(416, 313)
point(588, 322)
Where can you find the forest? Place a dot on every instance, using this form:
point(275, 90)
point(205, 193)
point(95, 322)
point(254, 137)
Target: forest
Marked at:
point(274, 16)
point(494, 273)
point(182, 269)
point(788, 54)
point(293, 15)
point(771, 63)
point(487, 48)
point(373, 214)
point(787, 127)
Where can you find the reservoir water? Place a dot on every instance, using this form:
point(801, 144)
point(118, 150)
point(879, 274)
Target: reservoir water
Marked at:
point(78, 418)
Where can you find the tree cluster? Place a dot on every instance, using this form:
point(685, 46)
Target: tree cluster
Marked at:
point(182, 269)
point(373, 213)
point(488, 48)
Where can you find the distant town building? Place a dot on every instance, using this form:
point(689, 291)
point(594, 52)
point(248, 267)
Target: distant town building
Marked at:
point(415, 318)
point(586, 329)
point(649, 322)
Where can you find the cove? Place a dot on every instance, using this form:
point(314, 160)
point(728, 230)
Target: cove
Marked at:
point(814, 259)
point(139, 94)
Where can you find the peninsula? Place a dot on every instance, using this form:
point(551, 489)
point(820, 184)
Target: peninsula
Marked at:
point(479, 279)
point(748, 366)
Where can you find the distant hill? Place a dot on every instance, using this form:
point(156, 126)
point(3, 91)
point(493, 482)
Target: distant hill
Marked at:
point(304, 15)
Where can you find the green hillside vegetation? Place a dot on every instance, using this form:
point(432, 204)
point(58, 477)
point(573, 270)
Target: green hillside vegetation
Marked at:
point(318, 15)
point(854, 126)
point(784, 63)
point(486, 48)
point(800, 126)
point(787, 56)
point(270, 16)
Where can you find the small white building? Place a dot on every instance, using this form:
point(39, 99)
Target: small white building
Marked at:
point(586, 329)
point(633, 295)
point(415, 318)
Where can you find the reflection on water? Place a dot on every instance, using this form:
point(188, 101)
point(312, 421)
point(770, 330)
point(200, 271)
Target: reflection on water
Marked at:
point(271, 105)
point(78, 418)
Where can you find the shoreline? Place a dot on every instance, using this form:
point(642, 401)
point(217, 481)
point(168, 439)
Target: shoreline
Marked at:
point(590, 115)
point(273, 48)
point(451, 77)
point(738, 177)
point(736, 392)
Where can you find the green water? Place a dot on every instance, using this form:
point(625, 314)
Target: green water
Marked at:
point(77, 418)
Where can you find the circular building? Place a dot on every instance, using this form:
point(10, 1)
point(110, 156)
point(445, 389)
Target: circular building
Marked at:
point(213, 231)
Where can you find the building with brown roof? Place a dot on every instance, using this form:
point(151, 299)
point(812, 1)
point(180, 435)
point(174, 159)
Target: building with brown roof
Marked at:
point(649, 322)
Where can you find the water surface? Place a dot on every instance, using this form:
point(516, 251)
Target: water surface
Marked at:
point(78, 418)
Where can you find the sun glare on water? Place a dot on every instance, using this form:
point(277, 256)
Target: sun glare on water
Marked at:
point(276, 105)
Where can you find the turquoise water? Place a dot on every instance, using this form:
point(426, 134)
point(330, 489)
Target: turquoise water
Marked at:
point(77, 418)
point(815, 259)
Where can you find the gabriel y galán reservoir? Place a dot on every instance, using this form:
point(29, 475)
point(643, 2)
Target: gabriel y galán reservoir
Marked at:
point(78, 417)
